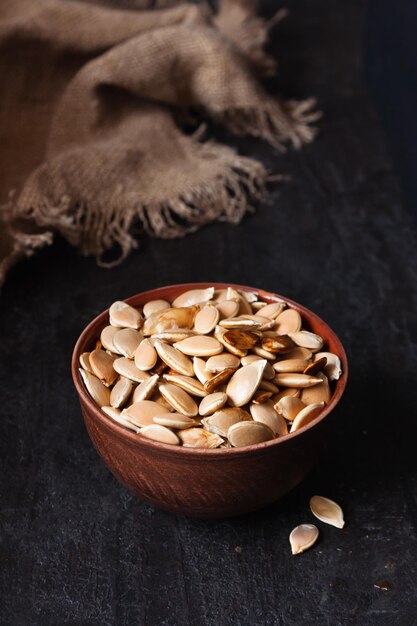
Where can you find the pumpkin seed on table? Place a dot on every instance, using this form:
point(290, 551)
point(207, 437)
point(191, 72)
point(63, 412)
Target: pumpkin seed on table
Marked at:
point(327, 511)
point(188, 372)
point(303, 537)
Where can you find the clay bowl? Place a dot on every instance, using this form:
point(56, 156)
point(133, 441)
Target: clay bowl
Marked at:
point(207, 483)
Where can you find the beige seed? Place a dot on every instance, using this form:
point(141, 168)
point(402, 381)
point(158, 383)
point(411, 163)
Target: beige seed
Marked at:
point(153, 306)
point(261, 396)
point(307, 415)
point(145, 389)
point(303, 537)
point(115, 414)
point(96, 389)
point(179, 399)
point(239, 323)
point(219, 333)
point(269, 372)
point(124, 315)
point(200, 345)
point(160, 434)
point(170, 319)
point(244, 383)
point(199, 366)
point(228, 308)
point(277, 344)
point(193, 386)
point(232, 294)
point(120, 392)
point(292, 392)
point(299, 353)
point(157, 397)
point(249, 433)
point(218, 380)
point(273, 309)
point(206, 320)
point(258, 305)
point(106, 337)
point(296, 380)
point(315, 367)
point(318, 393)
point(221, 362)
point(327, 511)
point(145, 356)
point(267, 385)
point(173, 335)
point(174, 420)
point(126, 341)
point(333, 367)
point(289, 407)
point(244, 306)
point(240, 339)
point(266, 323)
point(289, 321)
point(142, 413)
point(199, 438)
point(212, 403)
point(290, 365)
point(264, 354)
point(249, 296)
point(306, 339)
point(85, 362)
point(174, 358)
point(101, 364)
point(265, 414)
point(125, 367)
point(220, 422)
point(194, 296)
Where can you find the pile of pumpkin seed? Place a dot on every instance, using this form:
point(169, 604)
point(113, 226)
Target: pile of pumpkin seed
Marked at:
point(212, 369)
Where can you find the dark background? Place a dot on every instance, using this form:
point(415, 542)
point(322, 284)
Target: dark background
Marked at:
point(76, 547)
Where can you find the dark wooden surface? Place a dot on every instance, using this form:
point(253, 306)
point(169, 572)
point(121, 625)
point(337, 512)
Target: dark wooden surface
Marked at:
point(77, 548)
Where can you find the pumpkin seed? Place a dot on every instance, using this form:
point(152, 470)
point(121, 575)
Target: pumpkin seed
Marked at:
point(173, 335)
point(85, 362)
point(106, 337)
point(193, 386)
point(126, 341)
point(96, 389)
point(298, 353)
point(212, 403)
point(219, 333)
point(296, 380)
point(206, 320)
point(124, 316)
point(218, 379)
point(239, 323)
point(264, 354)
point(221, 362)
point(261, 396)
point(307, 415)
point(333, 367)
point(240, 339)
point(121, 392)
point(199, 438)
point(101, 364)
point(269, 372)
point(160, 434)
point(249, 296)
point(266, 414)
point(227, 308)
point(179, 399)
point(278, 344)
point(220, 422)
point(170, 319)
point(289, 407)
point(303, 537)
point(153, 306)
point(273, 309)
point(193, 296)
point(291, 365)
point(318, 393)
point(142, 413)
point(306, 339)
point(174, 358)
point(199, 366)
point(289, 392)
point(200, 345)
point(115, 414)
point(125, 367)
point(145, 356)
point(249, 433)
point(327, 511)
point(314, 368)
point(145, 389)
point(267, 385)
point(174, 420)
point(289, 321)
point(244, 383)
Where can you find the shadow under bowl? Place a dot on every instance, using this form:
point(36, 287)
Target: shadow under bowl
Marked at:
point(208, 483)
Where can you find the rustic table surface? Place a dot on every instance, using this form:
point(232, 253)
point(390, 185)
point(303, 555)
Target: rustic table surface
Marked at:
point(77, 548)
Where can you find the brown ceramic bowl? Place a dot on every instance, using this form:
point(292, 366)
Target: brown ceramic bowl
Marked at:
point(207, 483)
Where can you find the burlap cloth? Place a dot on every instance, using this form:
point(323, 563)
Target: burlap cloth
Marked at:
point(92, 100)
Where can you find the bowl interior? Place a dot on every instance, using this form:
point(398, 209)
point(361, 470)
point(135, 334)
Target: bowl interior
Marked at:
point(91, 333)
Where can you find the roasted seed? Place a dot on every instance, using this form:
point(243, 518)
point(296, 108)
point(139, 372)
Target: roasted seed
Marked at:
point(327, 511)
point(145, 356)
point(220, 422)
point(193, 386)
point(289, 407)
point(174, 420)
point(296, 380)
point(173, 335)
point(314, 368)
point(240, 339)
point(174, 358)
point(305, 339)
point(307, 415)
point(218, 379)
point(318, 393)
point(291, 365)
point(206, 320)
point(96, 389)
point(219, 333)
point(115, 414)
point(142, 413)
point(153, 306)
point(85, 362)
point(179, 399)
point(199, 366)
point(266, 414)
point(240, 323)
point(170, 319)
point(160, 434)
point(124, 316)
point(261, 396)
point(228, 308)
point(221, 362)
point(200, 345)
point(244, 383)
point(121, 392)
point(126, 341)
point(333, 368)
point(125, 367)
point(101, 364)
point(212, 403)
point(273, 309)
point(199, 438)
point(289, 321)
point(303, 537)
point(106, 337)
point(145, 389)
point(249, 433)
point(194, 296)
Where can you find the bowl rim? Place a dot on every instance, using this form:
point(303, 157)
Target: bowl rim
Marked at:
point(216, 453)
